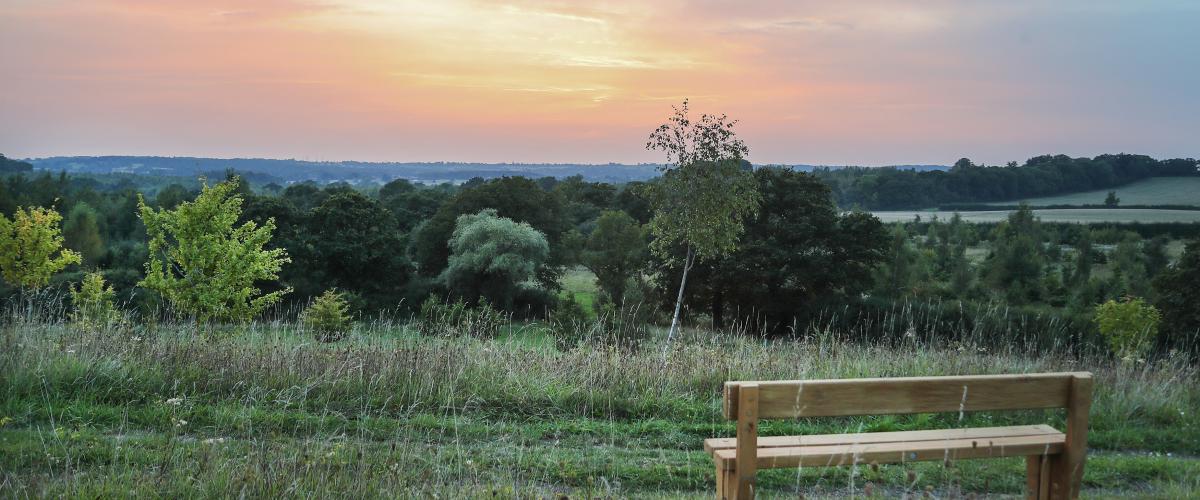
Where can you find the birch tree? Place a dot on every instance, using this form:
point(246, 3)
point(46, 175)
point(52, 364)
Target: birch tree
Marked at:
point(703, 195)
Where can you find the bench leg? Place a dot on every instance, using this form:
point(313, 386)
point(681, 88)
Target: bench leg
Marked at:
point(1064, 478)
point(725, 480)
point(1037, 477)
point(743, 486)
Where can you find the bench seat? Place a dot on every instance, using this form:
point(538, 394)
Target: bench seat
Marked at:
point(893, 447)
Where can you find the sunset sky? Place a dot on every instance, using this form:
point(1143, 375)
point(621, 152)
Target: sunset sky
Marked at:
point(542, 81)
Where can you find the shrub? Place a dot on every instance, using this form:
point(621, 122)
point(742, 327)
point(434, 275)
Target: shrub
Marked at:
point(205, 264)
point(534, 303)
point(328, 317)
point(614, 325)
point(1128, 326)
point(93, 303)
point(31, 247)
point(458, 319)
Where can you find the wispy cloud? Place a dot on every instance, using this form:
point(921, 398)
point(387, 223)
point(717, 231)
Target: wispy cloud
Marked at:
point(815, 81)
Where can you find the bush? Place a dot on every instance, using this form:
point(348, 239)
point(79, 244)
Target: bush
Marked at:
point(534, 303)
point(93, 303)
point(458, 319)
point(619, 326)
point(328, 317)
point(1128, 326)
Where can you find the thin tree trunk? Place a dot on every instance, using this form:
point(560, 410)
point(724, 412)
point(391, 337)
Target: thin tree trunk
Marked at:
point(687, 266)
point(718, 308)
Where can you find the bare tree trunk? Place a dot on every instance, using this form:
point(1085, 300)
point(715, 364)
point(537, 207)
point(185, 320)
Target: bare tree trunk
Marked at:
point(687, 266)
point(718, 309)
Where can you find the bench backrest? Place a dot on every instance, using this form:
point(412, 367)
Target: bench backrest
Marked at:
point(879, 396)
point(747, 402)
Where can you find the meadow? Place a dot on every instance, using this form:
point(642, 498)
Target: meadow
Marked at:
point(1069, 215)
point(1149, 191)
point(262, 411)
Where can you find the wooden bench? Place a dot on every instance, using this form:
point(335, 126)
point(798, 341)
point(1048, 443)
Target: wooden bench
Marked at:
point(1054, 463)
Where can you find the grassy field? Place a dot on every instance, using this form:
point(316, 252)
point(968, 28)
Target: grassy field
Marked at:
point(1152, 191)
point(1076, 215)
point(580, 283)
point(263, 412)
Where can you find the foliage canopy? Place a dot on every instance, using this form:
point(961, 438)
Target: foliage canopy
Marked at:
point(1128, 326)
point(328, 317)
point(615, 251)
point(93, 302)
point(492, 257)
point(31, 247)
point(1178, 295)
point(204, 264)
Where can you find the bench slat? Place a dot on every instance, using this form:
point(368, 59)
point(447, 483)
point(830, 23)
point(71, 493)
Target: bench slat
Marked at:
point(886, 437)
point(951, 449)
point(880, 396)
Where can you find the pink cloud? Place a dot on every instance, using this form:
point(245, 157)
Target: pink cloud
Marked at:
point(871, 82)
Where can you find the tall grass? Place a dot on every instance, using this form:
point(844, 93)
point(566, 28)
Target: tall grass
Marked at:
point(263, 410)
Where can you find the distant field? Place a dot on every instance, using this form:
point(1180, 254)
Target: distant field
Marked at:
point(1152, 191)
point(581, 283)
point(1079, 215)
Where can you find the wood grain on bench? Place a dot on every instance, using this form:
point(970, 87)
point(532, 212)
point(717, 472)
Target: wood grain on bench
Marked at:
point(899, 452)
point(883, 396)
point(1054, 464)
point(886, 437)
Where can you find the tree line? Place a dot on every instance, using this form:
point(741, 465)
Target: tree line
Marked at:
point(711, 239)
point(966, 182)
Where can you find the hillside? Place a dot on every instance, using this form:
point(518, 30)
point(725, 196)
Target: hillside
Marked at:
point(1072, 215)
point(968, 183)
point(289, 170)
point(1152, 191)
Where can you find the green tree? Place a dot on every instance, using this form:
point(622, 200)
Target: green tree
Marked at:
point(9, 166)
point(1177, 290)
point(957, 234)
point(395, 187)
point(31, 247)
point(493, 257)
point(704, 194)
point(960, 272)
point(1083, 258)
point(1018, 257)
point(797, 254)
point(81, 232)
point(1111, 200)
point(1128, 326)
point(516, 198)
point(584, 200)
point(614, 252)
point(328, 317)
point(304, 195)
point(351, 242)
point(411, 206)
point(1156, 258)
point(1128, 265)
point(172, 195)
point(898, 274)
point(93, 303)
point(206, 265)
